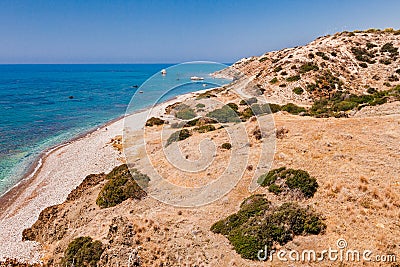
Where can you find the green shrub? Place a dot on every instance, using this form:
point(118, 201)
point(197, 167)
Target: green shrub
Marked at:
point(282, 85)
point(311, 56)
point(154, 121)
point(344, 106)
point(273, 80)
point(83, 252)
point(205, 95)
point(278, 69)
point(273, 188)
point(388, 47)
point(398, 71)
point(363, 65)
point(224, 115)
point(122, 185)
point(233, 106)
point(226, 146)
point(370, 45)
point(294, 179)
point(257, 224)
point(363, 55)
point(178, 136)
point(293, 109)
point(293, 78)
point(205, 128)
point(306, 67)
point(322, 55)
point(200, 105)
point(299, 179)
point(185, 114)
point(385, 61)
point(298, 90)
point(283, 73)
point(249, 101)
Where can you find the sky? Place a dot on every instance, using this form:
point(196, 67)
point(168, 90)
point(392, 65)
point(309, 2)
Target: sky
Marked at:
point(96, 31)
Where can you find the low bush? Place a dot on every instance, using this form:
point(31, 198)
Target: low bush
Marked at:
point(178, 136)
point(83, 252)
point(273, 80)
point(121, 185)
point(200, 105)
point(363, 65)
point(293, 109)
point(278, 69)
point(154, 121)
point(322, 55)
point(226, 146)
point(249, 101)
point(205, 128)
point(388, 47)
point(258, 224)
point(293, 179)
point(224, 115)
point(298, 90)
point(185, 114)
point(293, 78)
point(306, 67)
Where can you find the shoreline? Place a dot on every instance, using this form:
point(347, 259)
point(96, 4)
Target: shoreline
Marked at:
point(44, 184)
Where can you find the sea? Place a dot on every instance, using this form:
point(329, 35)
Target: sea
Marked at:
point(42, 106)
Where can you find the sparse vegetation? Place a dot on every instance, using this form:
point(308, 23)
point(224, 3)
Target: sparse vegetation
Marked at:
point(122, 185)
point(226, 146)
point(363, 55)
point(249, 101)
point(273, 80)
point(83, 252)
point(200, 105)
point(293, 78)
point(306, 67)
point(205, 128)
point(224, 115)
point(178, 136)
point(154, 121)
point(289, 179)
point(258, 224)
point(322, 55)
point(298, 90)
point(184, 112)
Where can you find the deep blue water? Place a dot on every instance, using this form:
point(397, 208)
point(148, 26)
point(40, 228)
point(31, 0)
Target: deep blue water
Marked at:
point(38, 113)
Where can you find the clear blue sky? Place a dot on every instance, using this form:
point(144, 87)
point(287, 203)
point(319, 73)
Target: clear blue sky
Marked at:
point(147, 31)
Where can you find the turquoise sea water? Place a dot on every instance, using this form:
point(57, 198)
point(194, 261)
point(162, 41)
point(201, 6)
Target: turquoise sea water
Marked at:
point(44, 105)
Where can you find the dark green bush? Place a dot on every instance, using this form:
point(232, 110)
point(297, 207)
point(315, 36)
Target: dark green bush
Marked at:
point(299, 179)
point(385, 61)
point(388, 47)
point(273, 80)
point(185, 114)
point(154, 121)
point(363, 55)
point(257, 225)
point(370, 45)
point(344, 106)
point(233, 106)
point(249, 101)
point(293, 78)
point(283, 73)
point(398, 71)
point(83, 252)
point(294, 179)
point(224, 115)
point(200, 105)
point(292, 108)
point(122, 185)
point(363, 65)
point(298, 90)
point(178, 136)
point(205, 128)
point(226, 146)
point(311, 56)
point(273, 188)
point(306, 67)
point(278, 69)
point(322, 55)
